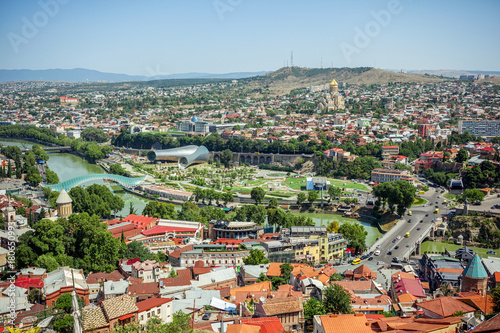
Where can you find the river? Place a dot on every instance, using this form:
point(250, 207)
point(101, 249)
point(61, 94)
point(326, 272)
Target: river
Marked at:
point(68, 166)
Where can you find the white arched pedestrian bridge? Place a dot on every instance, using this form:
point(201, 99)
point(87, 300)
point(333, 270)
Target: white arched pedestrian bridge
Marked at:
point(77, 181)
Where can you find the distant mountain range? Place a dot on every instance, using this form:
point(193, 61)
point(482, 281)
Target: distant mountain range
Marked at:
point(83, 75)
point(449, 72)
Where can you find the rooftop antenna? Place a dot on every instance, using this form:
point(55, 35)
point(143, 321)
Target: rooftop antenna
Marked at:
point(291, 59)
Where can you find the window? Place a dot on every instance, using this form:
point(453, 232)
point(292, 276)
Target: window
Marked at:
point(142, 317)
point(158, 312)
point(149, 314)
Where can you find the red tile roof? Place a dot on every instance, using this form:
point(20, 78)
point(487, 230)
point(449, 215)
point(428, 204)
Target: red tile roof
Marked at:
point(141, 221)
point(161, 230)
point(445, 306)
point(267, 324)
point(100, 276)
point(152, 303)
point(492, 325)
point(149, 288)
point(345, 323)
point(26, 282)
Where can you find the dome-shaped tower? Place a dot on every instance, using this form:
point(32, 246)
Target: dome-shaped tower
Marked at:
point(474, 277)
point(64, 204)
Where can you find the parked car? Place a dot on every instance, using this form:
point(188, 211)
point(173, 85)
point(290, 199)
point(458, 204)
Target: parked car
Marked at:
point(396, 247)
point(418, 229)
point(370, 259)
point(389, 253)
point(206, 316)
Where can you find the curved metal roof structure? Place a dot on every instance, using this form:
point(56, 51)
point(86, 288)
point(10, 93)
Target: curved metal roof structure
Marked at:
point(185, 156)
point(121, 180)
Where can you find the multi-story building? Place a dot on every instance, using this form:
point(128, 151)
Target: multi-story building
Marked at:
point(148, 270)
point(423, 130)
point(483, 128)
point(155, 307)
point(332, 245)
point(384, 175)
point(388, 151)
point(209, 254)
point(234, 230)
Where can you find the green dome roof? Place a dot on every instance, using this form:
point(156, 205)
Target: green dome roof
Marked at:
point(475, 269)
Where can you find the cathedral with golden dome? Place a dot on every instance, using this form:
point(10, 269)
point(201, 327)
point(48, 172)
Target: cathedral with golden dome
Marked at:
point(333, 99)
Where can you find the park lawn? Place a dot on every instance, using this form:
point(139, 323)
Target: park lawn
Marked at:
point(297, 183)
point(419, 201)
point(450, 196)
point(348, 184)
point(438, 247)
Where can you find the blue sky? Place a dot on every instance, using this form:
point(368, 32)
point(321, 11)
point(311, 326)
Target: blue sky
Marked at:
point(147, 37)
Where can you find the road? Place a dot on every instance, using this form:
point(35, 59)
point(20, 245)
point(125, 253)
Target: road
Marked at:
point(415, 227)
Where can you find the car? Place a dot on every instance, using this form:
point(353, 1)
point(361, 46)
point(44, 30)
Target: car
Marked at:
point(399, 237)
point(407, 245)
point(389, 253)
point(206, 316)
point(426, 215)
point(421, 221)
point(418, 229)
point(378, 246)
point(395, 259)
point(396, 247)
point(437, 202)
point(437, 206)
point(370, 259)
point(439, 196)
point(344, 262)
point(394, 240)
point(409, 221)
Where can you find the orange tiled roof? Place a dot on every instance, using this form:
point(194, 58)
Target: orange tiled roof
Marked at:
point(256, 287)
point(445, 306)
point(345, 323)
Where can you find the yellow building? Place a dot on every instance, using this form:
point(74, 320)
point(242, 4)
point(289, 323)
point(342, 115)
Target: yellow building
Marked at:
point(307, 249)
point(331, 246)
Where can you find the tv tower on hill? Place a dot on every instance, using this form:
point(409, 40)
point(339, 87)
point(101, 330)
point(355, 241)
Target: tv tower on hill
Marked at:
point(291, 59)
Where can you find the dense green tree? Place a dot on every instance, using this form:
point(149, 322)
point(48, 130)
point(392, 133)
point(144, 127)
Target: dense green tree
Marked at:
point(398, 195)
point(94, 134)
point(226, 156)
point(273, 203)
point(33, 176)
point(51, 177)
point(336, 299)
point(471, 195)
point(301, 197)
point(262, 277)
point(64, 324)
point(160, 210)
point(95, 199)
point(312, 308)
point(117, 169)
point(462, 156)
point(312, 196)
point(258, 195)
point(355, 234)
point(256, 257)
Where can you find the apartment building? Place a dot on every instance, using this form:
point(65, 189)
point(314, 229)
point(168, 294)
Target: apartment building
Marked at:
point(384, 175)
point(483, 128)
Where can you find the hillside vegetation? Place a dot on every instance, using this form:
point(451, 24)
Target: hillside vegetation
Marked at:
point(287, 78)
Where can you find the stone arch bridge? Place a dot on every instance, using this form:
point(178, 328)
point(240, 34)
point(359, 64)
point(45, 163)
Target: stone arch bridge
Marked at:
point(261, 158)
